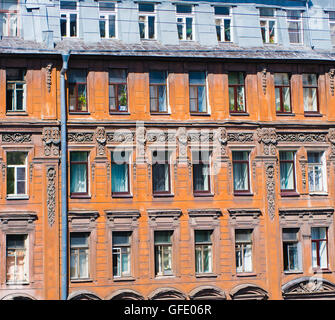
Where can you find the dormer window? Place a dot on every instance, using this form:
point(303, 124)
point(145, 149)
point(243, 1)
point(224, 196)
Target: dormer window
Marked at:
point(9, 18)
point(146, 20)
point(268, 25)
point(332, 26)
point(223, 24)
point(107, 17)
point(68, 18)
point(184, 22)
point(294, 24)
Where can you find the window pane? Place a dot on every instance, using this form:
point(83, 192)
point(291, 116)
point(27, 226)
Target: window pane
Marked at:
point(286, 176)
point(68, 5)
point(151, 23)
point(203, 236)
point(240, 171)
point(73, 25)
point(79, 240)
point(78, 177)
point(266, 12)
point(106, 6)
point(157, 77)
point(78, 156)
point(121, 237)
point(163, 237)
point(119, 177)
point(102, 26)
point(243, 235)
point(112, 32)
point(189, 22)
point(180, 8)
point(200, 177)
point(236, 78)
point(16, 158)
point(222, 11)
point(160, 174)
point(197, 78)
point(290, 234)
point(146, 7)
point(10, 181)
point(319, 233)
point(310, 99)
point(83, 263)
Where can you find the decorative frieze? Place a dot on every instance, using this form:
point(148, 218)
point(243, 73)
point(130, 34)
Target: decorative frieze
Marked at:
point(16, 137)
point(51, 195)
point(302, 137)
point(162, 137)
point(268, 137)
point(51, 141)
point(80, 137)
point(331, 138)
point(120, 136)
point(100, 136)
point(240, 137)
point(220, 140)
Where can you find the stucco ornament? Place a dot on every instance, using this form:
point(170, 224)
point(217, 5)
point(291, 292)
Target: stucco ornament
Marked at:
point(271, 189)
point(268, 137)
point(51, 195)
point(51, 140)
point(100, 136)
point(331, 74)
point(16, 137)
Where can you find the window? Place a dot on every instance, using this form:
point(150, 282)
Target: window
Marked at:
point(68, 18)
point(294, 23)
point(79, 255)
point(243, 249)
point(184, 22)
point(198, 99)
point(268, 25)
point(161, 173)
point(9, 18)
point(107, 19)
point(236, 92)
point(316, 172)
point(77, 91)
point(163, 253)
point(291, 250)
point(121, 253)
point(203, 251)
point(158, 96)
point(118, 97)
point(282, 93)
point(201, 172)
point(16, 90)
point(16, 173)
point(146, 20)
point(241, 172)
point(120, 173)
point(287, 171)
point(223, 24)
point(310, 91)
point(319, 248)
point(16, 258)
point(78, 173)
point(332, 26)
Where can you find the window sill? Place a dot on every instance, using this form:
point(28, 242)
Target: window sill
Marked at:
point(17, 197)
point(75, 196)
point(116, 279)
point(284, 114)
point(9, 283)
point(243, 194)
point(289, 194)
point(293, 272)
point(311, 114)
point(206, 275)
point(322, 271)
point(81, 280)
point(246, 274)
point(122, 195)
point(163, 195)
point(160, 113)
point(168, 276)
point(79, 113)
point(121, 113)
point(14, 113)
point(203, 194)
point(204, 114)
point(239, 114)
point(315, 194)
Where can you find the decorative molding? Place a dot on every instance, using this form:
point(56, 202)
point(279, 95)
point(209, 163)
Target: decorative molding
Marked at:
point(100, 136)
point(16, 137)
point(93, 171)
point(270, 188)
point(264, 80)
point(3, 167)
point(302, 137)
point(331, 138)
point(331, 74)
point(328, 211)
point(240, 137)
point(51, 195)
point(303, 164)
point(48, 76)
point(91, 215)
point(221, 138)
point(268, 137)
point(80, 137)
point(248, 291)
point(113, 214)
point(207, 293)
point(51, 140)
point(182, 144)
point(31, 170)
point(202, 137)
point(163, 137)
point(214, 213)
point(120, 136)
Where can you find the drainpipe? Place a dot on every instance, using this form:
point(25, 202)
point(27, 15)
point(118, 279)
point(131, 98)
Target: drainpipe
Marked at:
point(64, 232)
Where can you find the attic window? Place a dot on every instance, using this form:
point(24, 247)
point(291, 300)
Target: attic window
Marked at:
point(146, 20)
point(223, 23)
point(184, 22)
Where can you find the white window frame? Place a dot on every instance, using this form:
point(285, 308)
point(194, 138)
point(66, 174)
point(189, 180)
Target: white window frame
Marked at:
point(331, 23)
point(201, 245)
point(117, 250)
point(14, 101)
point(242, 268)
point(26, 261)
point(104, 15)
point(301, 27)
point(222, 19)
point(67, 13)
point(146, 15)
point(322, 164)
point(88, 255)
point(267, 29)
point(16, 166)
point(296, 242)
point(183, 16)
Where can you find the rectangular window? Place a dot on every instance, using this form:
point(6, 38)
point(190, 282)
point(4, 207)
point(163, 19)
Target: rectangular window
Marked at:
point(332, 26)
point(16, 90)
point(121, 254)
point(291, 250)
point(203, 251)
point(236, 92)
point(120, 173)
point(107, 20)
point(9, 17)
point(163, 253)
point(282, 93)
point(316, 174)
point(201, 172)
point(146, 20)
point(68, 18)
point(268, 25)
point(287, 171)
point(294, 24)
point(241, 171)
point(243, 250)
point(319, 248)
point(16, 258)
point(184, 21)
point(160, 173)
point(198, 95)
point(118, 96)
point(310, 92)
point(223, 24)
point(158, 92)
point(16, 173)
point(79, 255)
point(78, 173)
point(77, 82)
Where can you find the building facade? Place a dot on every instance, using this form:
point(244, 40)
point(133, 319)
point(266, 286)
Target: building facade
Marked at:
point(200, 148)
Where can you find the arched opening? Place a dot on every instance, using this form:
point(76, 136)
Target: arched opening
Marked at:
point(248, 292)
point(167, 294)
point(83, 295)
point(125, 295)
point(207, 293)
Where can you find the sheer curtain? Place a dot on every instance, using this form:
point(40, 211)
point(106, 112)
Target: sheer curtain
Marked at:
point(78, 178)
point(119, 177)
